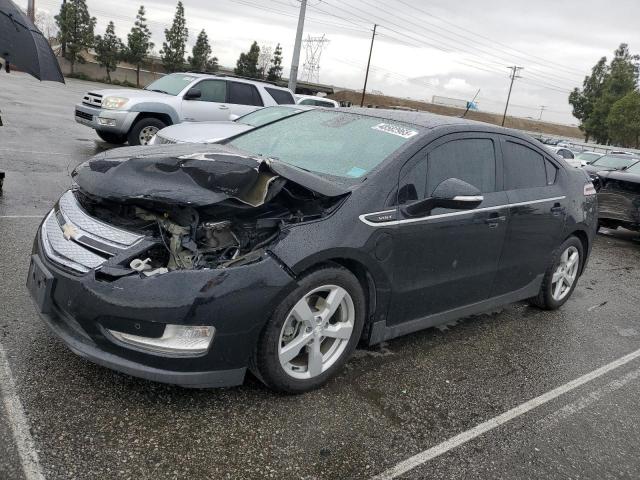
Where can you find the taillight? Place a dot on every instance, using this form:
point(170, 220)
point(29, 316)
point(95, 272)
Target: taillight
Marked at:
point(589, 189)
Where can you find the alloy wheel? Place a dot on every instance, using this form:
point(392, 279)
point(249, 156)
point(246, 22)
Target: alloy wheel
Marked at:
point(146, 134)
point(566, 273)
point(316, 332)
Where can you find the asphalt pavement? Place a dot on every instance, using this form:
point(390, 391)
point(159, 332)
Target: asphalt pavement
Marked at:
point(412, 394)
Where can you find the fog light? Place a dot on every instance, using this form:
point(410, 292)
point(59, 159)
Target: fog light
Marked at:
point(107, 122)
point(176, 340)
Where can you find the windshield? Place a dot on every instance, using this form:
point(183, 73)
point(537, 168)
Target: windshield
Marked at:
point(588, 157)
point(333, 143)
point(612, 161)
point(171, 84)
point(266, 115)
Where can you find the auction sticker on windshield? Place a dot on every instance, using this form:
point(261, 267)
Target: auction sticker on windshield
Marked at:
point(395, 130)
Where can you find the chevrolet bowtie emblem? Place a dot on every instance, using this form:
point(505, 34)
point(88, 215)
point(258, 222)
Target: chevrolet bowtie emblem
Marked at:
point(69, 231)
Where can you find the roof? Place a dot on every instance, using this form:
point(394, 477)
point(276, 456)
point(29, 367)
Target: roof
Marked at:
point(421, 119)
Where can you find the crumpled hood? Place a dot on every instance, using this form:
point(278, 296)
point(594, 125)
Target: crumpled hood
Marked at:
point(191, 175)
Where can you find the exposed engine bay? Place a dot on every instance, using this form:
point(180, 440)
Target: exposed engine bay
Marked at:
point(198, 211)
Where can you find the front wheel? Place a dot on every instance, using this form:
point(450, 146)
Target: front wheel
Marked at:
point(312, 333)
point(144, 130)
point(561, 276)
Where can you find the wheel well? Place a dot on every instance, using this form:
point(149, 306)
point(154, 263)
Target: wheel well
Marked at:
point(163, 117)
point(364, 277)
point(584, 240)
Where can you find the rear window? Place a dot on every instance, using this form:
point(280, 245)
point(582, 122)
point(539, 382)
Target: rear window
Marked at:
point(244, 94)
point(282, 97)
point(523, 167)
point(328, 142)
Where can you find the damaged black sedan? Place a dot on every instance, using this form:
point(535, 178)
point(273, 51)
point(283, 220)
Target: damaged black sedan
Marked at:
point(281, 249)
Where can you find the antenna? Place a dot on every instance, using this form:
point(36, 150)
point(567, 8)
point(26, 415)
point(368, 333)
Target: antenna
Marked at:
point(313, 52)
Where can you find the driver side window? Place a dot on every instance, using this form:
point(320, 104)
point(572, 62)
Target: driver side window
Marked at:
point(472, 160)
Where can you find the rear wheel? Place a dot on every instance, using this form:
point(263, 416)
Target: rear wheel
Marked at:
point(312, 333)
point(143, 130)
point(561, 276)
point(111, 137)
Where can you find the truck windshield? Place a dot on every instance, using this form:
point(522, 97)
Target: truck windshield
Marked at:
point(171, 84)
point(339, 144)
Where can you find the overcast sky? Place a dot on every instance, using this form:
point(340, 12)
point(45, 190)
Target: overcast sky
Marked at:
point(425, 48)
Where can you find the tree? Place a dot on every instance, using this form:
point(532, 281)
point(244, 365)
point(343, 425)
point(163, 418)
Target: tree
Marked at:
point(275, 72)
point(247, 65)
point(624, 120)
point(201, 61)
point(173, 49)
point(264, 60)
point(139, 43)
point(602, 90)
point(109, 50)
point(46, 24)
point(76, 30)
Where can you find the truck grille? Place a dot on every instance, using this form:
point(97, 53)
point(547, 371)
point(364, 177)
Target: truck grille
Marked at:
point(92, 99)
point(74, 239)
point(86, 116)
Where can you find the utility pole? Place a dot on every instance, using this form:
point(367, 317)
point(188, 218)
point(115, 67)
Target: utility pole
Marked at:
point(31, 10)
point(542, 109)
point(366, 76)
point(514, 75)
point(295, 62)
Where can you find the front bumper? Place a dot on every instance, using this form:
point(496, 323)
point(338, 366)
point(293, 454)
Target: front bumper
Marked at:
point(114, 121)
point(80, 308)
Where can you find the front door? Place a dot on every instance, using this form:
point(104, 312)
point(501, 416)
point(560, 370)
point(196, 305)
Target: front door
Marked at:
point(211, 106)
point(449, 259)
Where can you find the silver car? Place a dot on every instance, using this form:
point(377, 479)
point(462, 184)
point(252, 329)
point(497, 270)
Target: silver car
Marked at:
point(211, 132)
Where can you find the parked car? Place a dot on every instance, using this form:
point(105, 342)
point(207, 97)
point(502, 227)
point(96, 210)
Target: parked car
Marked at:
point(135, 116)
point(609, 162)
point(281, 249)
point(316, 101)
point(619, 198)
point(211, 132)
point(588, 157)
point(562, 152)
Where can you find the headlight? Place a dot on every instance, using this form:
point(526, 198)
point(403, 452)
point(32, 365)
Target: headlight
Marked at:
point(181, 340)
point(114, 103)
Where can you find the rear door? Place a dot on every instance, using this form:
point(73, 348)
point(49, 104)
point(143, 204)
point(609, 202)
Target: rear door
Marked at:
point(211, 106)
point(537, 211)
point(449, 258)
point(243, 98)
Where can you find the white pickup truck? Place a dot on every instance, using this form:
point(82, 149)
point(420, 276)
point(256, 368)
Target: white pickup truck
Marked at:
point(134, 116)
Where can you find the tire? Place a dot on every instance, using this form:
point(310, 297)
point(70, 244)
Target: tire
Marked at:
point(144, 128)
point(549, 298)
point(271, 362)
point(110, 137)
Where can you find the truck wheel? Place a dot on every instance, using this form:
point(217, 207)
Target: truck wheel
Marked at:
point(143, 130)
point(312, 333)
point(111, 137)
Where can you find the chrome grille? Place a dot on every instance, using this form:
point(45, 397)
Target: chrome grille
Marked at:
point(66, 233)
point(92, 99)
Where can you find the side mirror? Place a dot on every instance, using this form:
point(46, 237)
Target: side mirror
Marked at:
point(452, 193)
point(193, 94)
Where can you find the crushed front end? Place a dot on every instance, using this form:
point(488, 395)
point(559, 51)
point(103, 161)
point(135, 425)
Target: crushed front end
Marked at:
point(168, 285)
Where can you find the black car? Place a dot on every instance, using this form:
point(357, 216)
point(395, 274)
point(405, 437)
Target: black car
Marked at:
point(282, 248)
point(609, 163)
point(619, 198)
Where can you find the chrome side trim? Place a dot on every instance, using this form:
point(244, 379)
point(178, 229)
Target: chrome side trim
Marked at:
point(364, 220)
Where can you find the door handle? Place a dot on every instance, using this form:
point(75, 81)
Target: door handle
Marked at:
point(494, 219)
point(223, 107)
point(557, 209)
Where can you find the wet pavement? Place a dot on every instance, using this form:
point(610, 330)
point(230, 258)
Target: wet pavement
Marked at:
point(387, 405)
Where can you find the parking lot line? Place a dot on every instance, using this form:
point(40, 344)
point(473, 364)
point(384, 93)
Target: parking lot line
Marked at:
point(18, 422)
point(494, 422)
